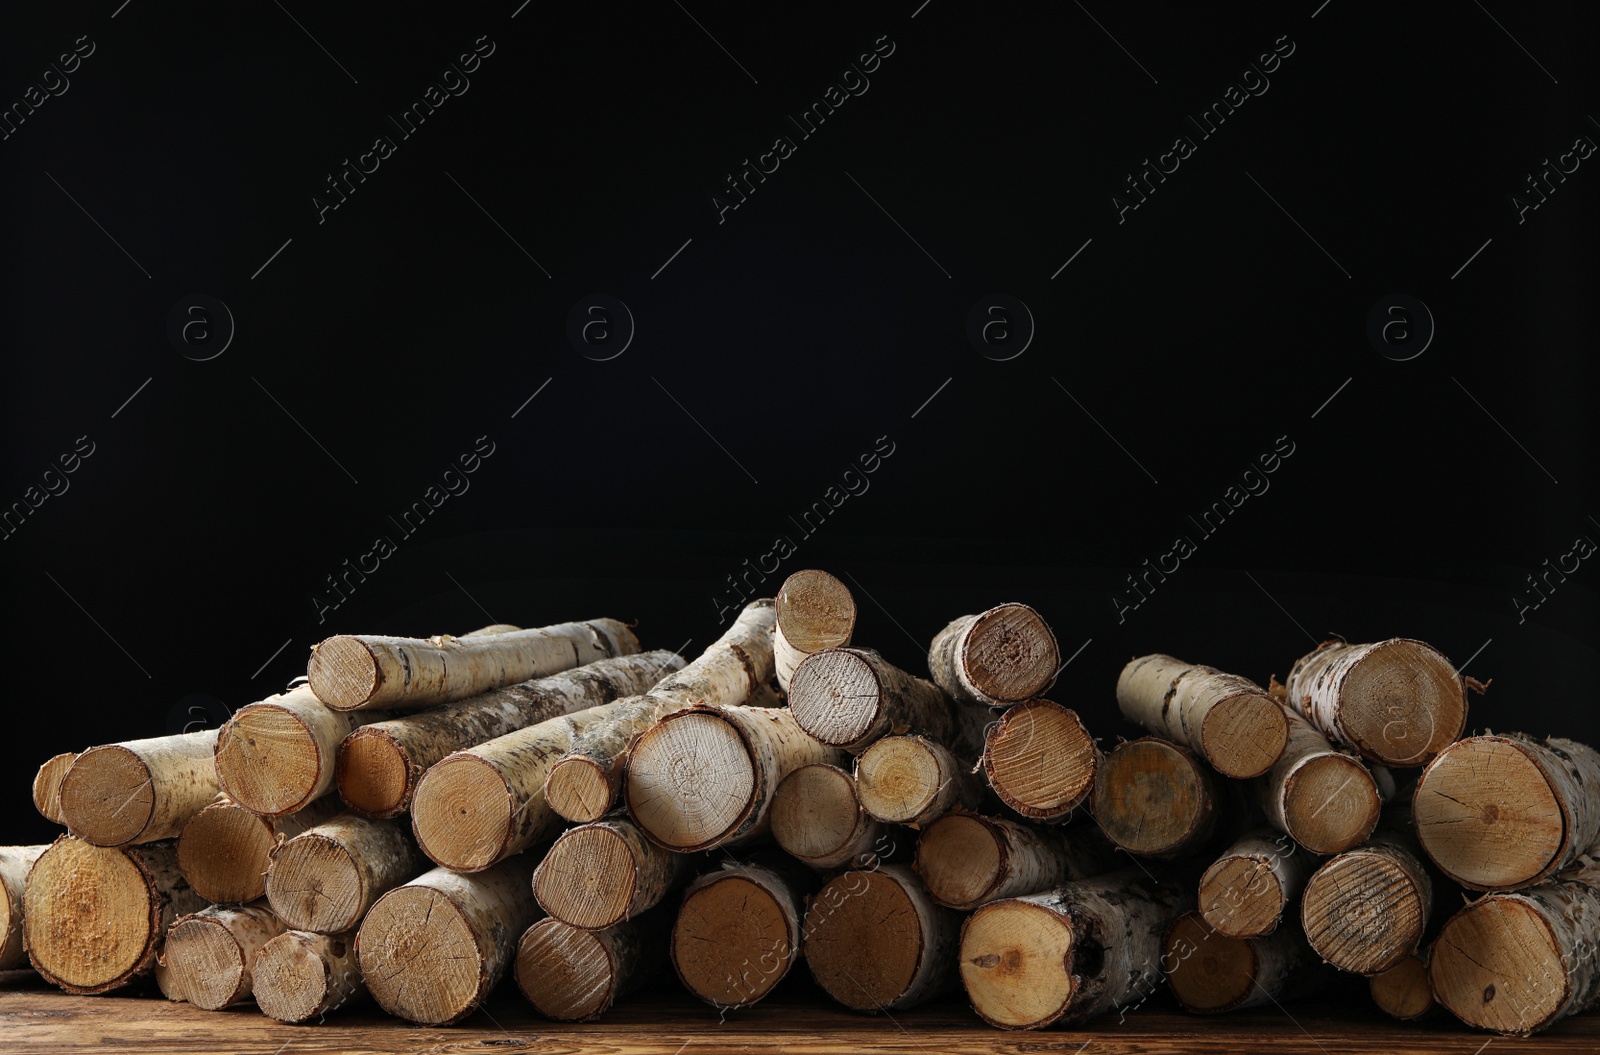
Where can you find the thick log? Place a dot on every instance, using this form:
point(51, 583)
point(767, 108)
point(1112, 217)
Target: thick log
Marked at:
point(1155, 798)
point(212, 953)
point(1501, 812)
point(225, 849)
point(277, 756)
point(1211, 973)
point(849, 697)
point(14, 864)
point(1397, 702)
point(705, 776)
point(738, 931)
point(1236, 725)
point(600, 874)
point(350, 673)
point(966, 859)
point(875, 941)
point(1327, 800)
point(814, 611)
point(1068, 954)
point(1517, 962)
point(1245, 892)
point(734, 670)
point(1402, 991)
point(380, 764)
point(433, 949)
point(140, 791)
point(911, 779)
point(818, 819)
point(1040, 760)
point(1002, 656)
point(94, 916)
point(326, 878)
point(300, 976)
point(47, 786)
point(574, 975)
point(1367, 909)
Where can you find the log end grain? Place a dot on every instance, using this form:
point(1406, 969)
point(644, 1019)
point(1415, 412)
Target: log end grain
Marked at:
point(1011, 653)
point(47, 786)
point(208, 965)
point(587, 880)
point(1016, 964)
point(420, 958)
point(223, 853)
point(836, 696)
point(1496, 965)
point(1363, 912)
point(295, 982)
point(1240, 897)
point(863, 942)
point(580, 789)
point(1487, 814)
point(1243, 735)
point(567, 973)
point(90, 920)
point(1152, 797)
point(1331, 803)
point(268, 759)
point(462, 813)
point(108, 796)
point(898, 778)
point(815, 812)
point(1402, 703)
point(343, 672)
point(1402, 991)
point(690, 780)
point(374, 773)
point(314, 885)
point(959, 857)
point(1040, 759)
point(1209, 972)
point(815, 611)
point(733, 941)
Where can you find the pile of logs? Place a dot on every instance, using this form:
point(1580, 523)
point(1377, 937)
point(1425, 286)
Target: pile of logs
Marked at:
point(418, 820)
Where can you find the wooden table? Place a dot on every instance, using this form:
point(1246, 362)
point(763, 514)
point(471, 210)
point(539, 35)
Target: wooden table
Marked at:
point(35, 1018)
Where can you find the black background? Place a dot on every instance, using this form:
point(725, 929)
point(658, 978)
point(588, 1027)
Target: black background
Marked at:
point(793, 336)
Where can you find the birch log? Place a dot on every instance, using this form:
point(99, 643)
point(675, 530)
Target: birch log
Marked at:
point(704, 777)
point(300, 976)
point(814, 611)
point(600, 874)
point(277, 756)
point(735, 669)
point(94, 917)
point(1068, 954)
point(574, 975)
point(1211, 973)
point(1397, 702)
point(1402, 991)
point(1040, 760)
point(212, 953)
point(380, 763)
point(1328, 801)
point(966, 859)
point(1517, 962)
point(326, 878)
point(1501, 812)
point(14, 864)
point(350, 673)
point(140, 791)
point(225, 849)
point(433, 949)
point(911, 779)
point(1245, 892)
point(817, 818)
point(1155, 798)
point(47, 787)
point(849, 697)
point(875, 941)
point(738, 931)
point(1231, 721)
point(1002, 656)
point(1367, 909)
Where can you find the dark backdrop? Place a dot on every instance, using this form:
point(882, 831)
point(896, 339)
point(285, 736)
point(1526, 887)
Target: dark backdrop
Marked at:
point(1223, 319)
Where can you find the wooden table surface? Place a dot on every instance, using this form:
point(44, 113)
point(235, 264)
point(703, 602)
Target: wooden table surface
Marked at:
point(35, 1018)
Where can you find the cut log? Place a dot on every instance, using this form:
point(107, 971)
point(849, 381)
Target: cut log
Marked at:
point(47, 787)
point(966, 859)
point(277, 756)
point(574, 975)
point(734, 670)
point(167, 982)
point(380, 763)
point(599, 874)
point(818, 819)
point(1245, 892)
point(1367, 909)
point(704, 777)
point(1235, 724)
point(738, 931)
point(141, 791)
point(350, 673)
point(433, 949)
point(1211, 973)
point(212, 953)
point(814, 611)
point(326, 878)
point(1328, 801)
point(1005, 655)
point(94, 917)
point(913, 780)
point(1515, 963)
point(300, 976)
point(1402, 991)
point(1501, 812)
point(849, 697)
point(225, 849)
point(1397, 702)
point(1040, 760)
point(1069, 953)
point(1155, 798)
point(14, 864)
point(875, 941)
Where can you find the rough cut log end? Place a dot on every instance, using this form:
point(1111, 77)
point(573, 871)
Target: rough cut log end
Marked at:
point(1242, 897)
point(315, 885)
point(1365, 910)
point(1004, 655)
point(300, 976)
point(268, 759)
point(815, 611)
point(1243, 735)
point(1402, 991)
point(224, 852)
point(836, 696)
point(344, 673)
point(961, 858)
point(817, 817)
point(211, 953)
point(875, 942)
point(1041, 760)
point(47, 786)
point(910, 780)
point(1017, 964)
point(736, 935)
point(581, 789)
point(691, 780)
point(1331, 803)
point(571, 974)
point(464, 818)
point(374, 773)
point(108, 796)
point(1498, 965)
point(588, 879)
point(1209, 972)
point(1153, 797)
point(1398, 702)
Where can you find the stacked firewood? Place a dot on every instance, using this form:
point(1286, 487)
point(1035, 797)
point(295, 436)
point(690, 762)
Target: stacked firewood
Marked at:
point(417, 819)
